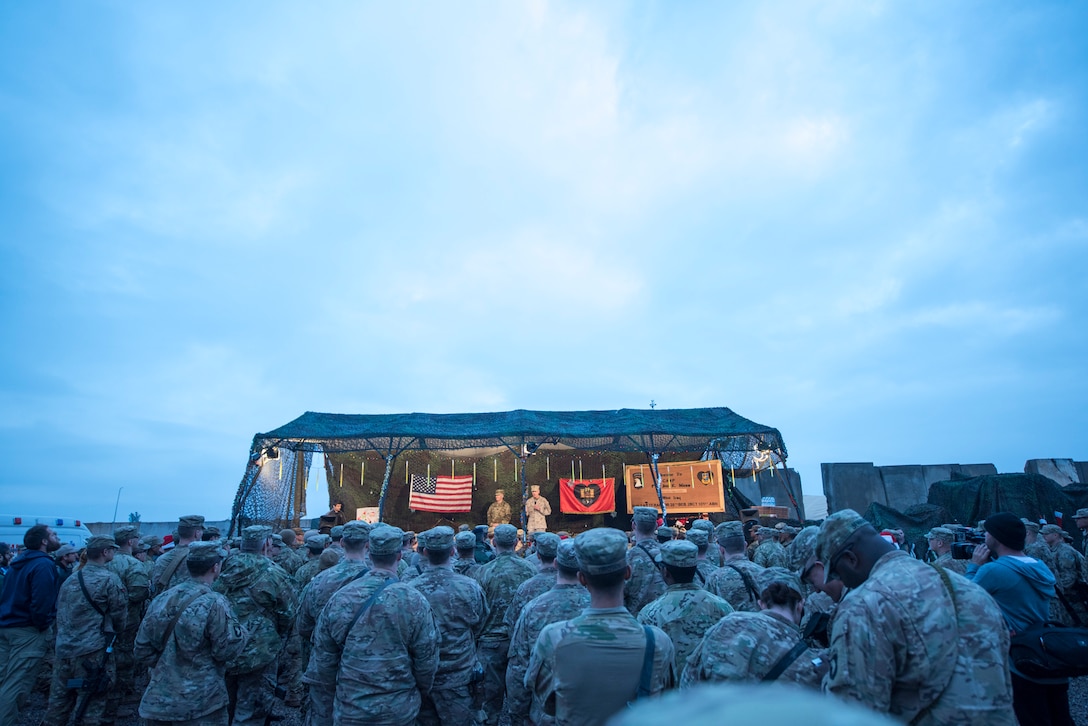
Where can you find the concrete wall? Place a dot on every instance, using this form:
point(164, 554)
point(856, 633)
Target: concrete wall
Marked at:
point(766, 485)
point(857, 485)
point(160, 528)
point(1063, 471)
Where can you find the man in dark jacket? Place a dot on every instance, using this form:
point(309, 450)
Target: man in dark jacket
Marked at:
point(28, 606)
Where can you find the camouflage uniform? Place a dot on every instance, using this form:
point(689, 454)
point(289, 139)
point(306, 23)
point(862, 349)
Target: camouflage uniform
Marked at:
point(744, 647)
point(562, 602)
point(263, 597)
point(187, 680)
point(134, 578)
point(646, 583)
point(536, 585)
point(459, 609)
point(1067, 566)
point(537, 509)
point(377, 669)
point(307, 571)
point(949, 563)
point(1040, 551)
point(498, 513)
point(84, 630)
point(289, 560)
point(685, 612)
point(771, 554)
point(500, 580)
point(901, 645)
point(465, 566)
point(728, 583)
point(164, 564)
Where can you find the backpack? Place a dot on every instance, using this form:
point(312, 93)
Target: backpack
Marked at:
point(1050, 650)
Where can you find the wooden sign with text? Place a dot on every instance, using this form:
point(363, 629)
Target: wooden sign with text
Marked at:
point(686, 486)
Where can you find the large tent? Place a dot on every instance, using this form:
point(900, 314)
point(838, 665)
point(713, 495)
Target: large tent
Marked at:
point(710, 432)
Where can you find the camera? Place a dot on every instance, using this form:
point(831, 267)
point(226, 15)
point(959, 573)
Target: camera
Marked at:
point(963, 548)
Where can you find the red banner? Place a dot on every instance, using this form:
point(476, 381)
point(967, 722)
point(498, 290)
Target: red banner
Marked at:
point(587, 496)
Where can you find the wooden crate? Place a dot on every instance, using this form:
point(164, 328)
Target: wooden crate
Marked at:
point(776, 512)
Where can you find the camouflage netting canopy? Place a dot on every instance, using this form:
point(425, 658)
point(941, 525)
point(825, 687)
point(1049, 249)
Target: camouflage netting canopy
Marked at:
point(915, 521)
point(273, 488)
point(1032, 496)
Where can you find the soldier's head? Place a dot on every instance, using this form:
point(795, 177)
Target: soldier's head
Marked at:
point(566, 563)
point(126, 537)
point(644, 521)
point(499, 494)
point(205, 560)
point(506, 537)
point(1052, 534)
point(355, 538)
point(257, 539)
point(41, 537)
point(812, 572)
point(66, 555)
point(1081, 519)
point(385, 549)
point(547, 546)
point(940, 539)
point(730, 536)
point(678, 561)
point(466, 545)
point(780, 591)
point(288, 537)
point(101, 548)
point(665, 534)
point(849, 547)
point(190, 528)
point(1031, 531)
point(700, 539)
point(438, 544)
point(602, 560)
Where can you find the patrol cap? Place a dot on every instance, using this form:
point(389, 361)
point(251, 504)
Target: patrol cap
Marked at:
point(465, 541)
point(535, 488)
point(834, 531)
point(191, 520)
point(140, 546)
point(1051, 529)
point(337, 532)
point(65, 549)
point(151, 540)
point(565, 556)
point(678, 553)
point(506, 535)
point(698, 537)
point(644, 515)
point(773, 575)
point(213, 531)
point(804, 546)
point(439, 539)
point(732, 528)
point(385, 540)
point(356, 532)
point(1029, 525)
point(666, 532)
point(601, 550)
point(407, 538)
point(206, 551)
point(318, 542)
point(703, 524)
point(254, 536)
point(480, 530)
point(945, 535)
point(547, 544)
point(101, 542)
point(310, 534)
point(126, 532)
point(1081, 514)
point(768, 532)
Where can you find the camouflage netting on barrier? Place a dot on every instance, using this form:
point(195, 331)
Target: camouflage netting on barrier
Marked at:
point(915, 522)
point(1026, 495)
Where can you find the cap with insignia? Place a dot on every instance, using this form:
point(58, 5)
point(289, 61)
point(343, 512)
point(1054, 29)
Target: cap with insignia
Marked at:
point(356, 531)
point(207, 551)
point(565, 555)
point(773, 575)
point(191, 520)
point(698, 537)
point(126, 532)
point(679, 553)
point(644, 515)
point(601, 551)
point(385, 540)
point(834, 531)
point(547, 544)
point(506, 535)
point(1051, 529)
point(465, 541)
point(253, 536)
point(945, 535)
point(101, 542)
point(439, 539)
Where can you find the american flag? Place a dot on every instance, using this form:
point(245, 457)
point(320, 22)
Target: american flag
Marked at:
point(441, 493)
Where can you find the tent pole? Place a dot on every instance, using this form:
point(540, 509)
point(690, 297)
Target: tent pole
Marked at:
point(657, 484)
point(385, 486)
point(300, 486)
point(524, 497)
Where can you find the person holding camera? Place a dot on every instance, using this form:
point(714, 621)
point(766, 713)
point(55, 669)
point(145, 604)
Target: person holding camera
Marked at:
point(1022, 586)
point(940, 543)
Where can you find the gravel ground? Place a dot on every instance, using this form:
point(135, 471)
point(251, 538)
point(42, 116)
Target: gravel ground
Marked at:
point(32, 716)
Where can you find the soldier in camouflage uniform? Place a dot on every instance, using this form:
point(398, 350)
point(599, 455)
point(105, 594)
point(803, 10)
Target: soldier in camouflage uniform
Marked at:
point(1081, 520)
point(547, 546)
point(1068, 567)
point(315, 547)
point(169, 569)
point(1036, 547)
point(704, 568)
point(735, 581)
point(920, 643)
point(500, 580)
point(263, 598)
point(801, 548)
point(770, 553)
point(284, 556)
point(375, 644)
point(465, 564)
point(91, 610)
point(355, 539)
point(646, 583)
point(940, 542)
point(499, 512)
point(686, 611)
point(713, 554)
point(565, 600)
point(484, 553)
point(459, 608)
point(584, 670)
point(188, 635)
point(134, 578)
point(748, 647)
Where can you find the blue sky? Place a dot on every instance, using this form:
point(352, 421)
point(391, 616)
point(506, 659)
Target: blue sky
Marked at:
point(864, 223)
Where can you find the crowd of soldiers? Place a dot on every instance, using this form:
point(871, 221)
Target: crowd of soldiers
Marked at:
point(369, 624)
